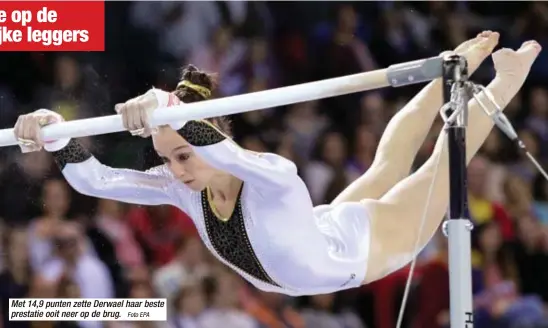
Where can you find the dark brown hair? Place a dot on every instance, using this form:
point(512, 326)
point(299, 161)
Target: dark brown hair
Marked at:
point(188, 95)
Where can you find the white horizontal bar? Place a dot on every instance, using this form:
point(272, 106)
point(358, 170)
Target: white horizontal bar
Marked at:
point(217, 107)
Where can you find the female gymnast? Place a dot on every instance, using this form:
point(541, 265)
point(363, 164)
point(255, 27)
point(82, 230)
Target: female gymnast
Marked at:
point(252, 210)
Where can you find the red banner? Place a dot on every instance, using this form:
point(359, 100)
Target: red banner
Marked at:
point(52, 26)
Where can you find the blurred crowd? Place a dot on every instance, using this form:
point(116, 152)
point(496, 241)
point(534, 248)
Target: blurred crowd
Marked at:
point(56, 243)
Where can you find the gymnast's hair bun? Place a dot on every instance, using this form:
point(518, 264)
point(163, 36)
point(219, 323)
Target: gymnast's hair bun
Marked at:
point(192, 74)
point(189, 93)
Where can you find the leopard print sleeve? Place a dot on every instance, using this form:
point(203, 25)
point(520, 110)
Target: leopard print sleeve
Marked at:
point(73, 152)
point(201, 133)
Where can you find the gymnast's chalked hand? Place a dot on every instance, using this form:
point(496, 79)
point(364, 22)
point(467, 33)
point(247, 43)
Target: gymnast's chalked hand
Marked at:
point(28, 126)
point(136, 113)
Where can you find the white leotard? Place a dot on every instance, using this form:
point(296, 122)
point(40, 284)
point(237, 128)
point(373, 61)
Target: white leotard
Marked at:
point(275, 238)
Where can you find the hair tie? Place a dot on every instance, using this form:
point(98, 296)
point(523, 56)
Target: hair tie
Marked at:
point(203, 91)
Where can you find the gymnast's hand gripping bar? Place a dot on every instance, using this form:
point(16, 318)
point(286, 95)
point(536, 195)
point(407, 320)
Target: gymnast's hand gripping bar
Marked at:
point(419, 71)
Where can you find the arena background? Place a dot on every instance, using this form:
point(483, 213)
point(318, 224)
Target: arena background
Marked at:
point(153, 251)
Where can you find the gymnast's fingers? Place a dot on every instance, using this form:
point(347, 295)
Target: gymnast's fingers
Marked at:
point(44, 119)
point(149, 104)
point(27, 136)
point(122, 111)
point(50, 118)
point(139, 120)
point(18, 131)
point(118, 108)
point(134, 117)
point(17, 127)
point(34, 128)
point(26, 127)
point(143, 116)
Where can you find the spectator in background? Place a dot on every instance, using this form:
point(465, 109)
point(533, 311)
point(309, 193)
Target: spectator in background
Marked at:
point(518, 199)
point(74, 263)
point(482, 209)
point(56, 201)
point(523, 167)
point(540, 195)
point(365, 145)
point(110, 219)
point(326, 172)
point(532, 257)
point(496, 174)
point(321, 313)
point(305, 125)
point(254, 124)
point(16, 278)
point(260, 63)
point(253, 143)
point(347, 54)
point(105, 250)
point(286, 148)
point(67, 288)
point(224, 308)
point(172, 21)
point(434, 285)
point(529, 22)
point(157, 228)
point(224, 55)
point(393, 38)
point(537, 119)
point(188, 265)
point(10, 109)
point(501, 302)
point(514, 111)
point(21, 186)
point(76, 93)
point(189, 304)
point(272, 310)
point(429, 143)
point(446, 32)
point(344, 54)
point(373, 112)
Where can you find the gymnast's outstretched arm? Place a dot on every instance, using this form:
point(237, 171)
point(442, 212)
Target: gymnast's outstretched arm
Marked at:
point(408, 129)
point(90, 177)
point(86, 174)
point(267, 172)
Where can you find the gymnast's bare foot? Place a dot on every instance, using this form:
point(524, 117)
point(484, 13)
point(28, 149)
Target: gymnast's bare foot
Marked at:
point(512, 68)
point(516, 64)
point(476, 50)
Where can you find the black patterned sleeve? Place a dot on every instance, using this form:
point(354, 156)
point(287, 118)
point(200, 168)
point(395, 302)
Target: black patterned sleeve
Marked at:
point(73, 153)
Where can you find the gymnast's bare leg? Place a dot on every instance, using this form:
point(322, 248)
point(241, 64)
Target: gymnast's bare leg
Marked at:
point(408, 129)
point(396, 217)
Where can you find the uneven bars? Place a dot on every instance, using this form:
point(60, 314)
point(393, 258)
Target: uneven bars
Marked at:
point(396, 75)
point(458, 227)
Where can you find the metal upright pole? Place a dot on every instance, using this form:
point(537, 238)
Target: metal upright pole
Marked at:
point(458, 227)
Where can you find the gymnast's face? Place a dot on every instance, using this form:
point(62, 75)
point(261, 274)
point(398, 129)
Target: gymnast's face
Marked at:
point(185, 165)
